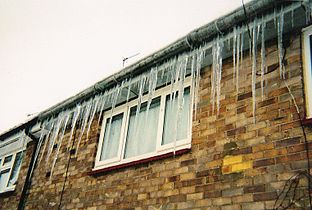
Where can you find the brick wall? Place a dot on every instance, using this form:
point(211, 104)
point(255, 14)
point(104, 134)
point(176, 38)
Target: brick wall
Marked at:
point(234, 163)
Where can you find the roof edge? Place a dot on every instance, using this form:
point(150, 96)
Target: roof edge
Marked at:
point(193, 39)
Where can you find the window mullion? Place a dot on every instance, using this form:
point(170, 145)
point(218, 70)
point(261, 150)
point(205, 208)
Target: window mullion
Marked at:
point(161, 121)
point(10, 170)
point(123, 136)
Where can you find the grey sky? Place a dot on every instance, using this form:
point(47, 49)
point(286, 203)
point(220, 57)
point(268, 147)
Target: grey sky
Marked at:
point(52, 49)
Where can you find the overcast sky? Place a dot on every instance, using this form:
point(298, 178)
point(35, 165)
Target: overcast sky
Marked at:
point(53, 49)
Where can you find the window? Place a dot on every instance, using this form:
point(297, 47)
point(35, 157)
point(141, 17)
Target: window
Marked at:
point(10, 165)
point(158, 126)
point(307, 70)
point(11, 156)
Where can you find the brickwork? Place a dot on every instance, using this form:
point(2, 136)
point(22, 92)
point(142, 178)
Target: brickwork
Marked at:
point(234, 163)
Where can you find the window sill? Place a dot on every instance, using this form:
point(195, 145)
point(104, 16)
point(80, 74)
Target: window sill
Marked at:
point(142, 161)
point(307, 121)
point(7, 192)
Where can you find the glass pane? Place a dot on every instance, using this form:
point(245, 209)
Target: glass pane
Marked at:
point(16, 168)
point(142, 129)
point(111, 137)
point(4, 175)
point(7, 159)
point(172, 127)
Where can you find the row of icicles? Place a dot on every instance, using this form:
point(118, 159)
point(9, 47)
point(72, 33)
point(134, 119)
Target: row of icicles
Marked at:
point(172, 72)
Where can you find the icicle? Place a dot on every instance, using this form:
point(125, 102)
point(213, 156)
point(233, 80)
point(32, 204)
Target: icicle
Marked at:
point(275, 16)
point(129, 91)
point(250, 42)
point(59, 144)
point(163, 72)
point(141, 91)
point(263, 58)
point(292, 18)
point(84, 123)
point(280, 25)
point(193, 76)
point(46, 140)
point(73, 125)
point(234, 53)
point(23, 139)
point(238, 45)
point(38, 148)
point(228, 40)
point(241, 59)
point(216, 74)
point(96, 102)
point(307, 5)
point(254, 69)
point(183, 66)
point(200, 54)
point(54, 135)
point(258, 31)
point(103, 101)
point(151, 88)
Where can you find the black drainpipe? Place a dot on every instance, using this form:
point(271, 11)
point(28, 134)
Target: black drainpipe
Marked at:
point(29, 175)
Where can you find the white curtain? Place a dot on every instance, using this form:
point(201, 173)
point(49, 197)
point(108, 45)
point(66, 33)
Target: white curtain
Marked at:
point(111, 137)
point(172, 127)
point(142, 129)
point(16, 168)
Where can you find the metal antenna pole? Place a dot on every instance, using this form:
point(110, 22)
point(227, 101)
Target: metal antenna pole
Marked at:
point(127, 58)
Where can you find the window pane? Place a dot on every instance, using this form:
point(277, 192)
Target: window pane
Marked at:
point(16, 168)
point(7, 159)
point(4, 175)
point(142, 129)
point(111, 137)
point(171, 123)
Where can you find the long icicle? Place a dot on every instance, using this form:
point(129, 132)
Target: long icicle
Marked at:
point(95, 105)
point(73, 125)
point(238, 45)
point(200, 54)
point(83, 125)
point(46, 140)
point(54, 135)
point(38, 148)
point(59, 143)
point(280, 25)
point(242, 56)
point(103, 102)
point(234, 53)
point(182, 66)
point(263, 58)
point(219, 60)
point(254, 69)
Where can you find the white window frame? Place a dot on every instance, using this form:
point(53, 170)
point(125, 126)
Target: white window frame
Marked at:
point(307, 70)
point(160, 149)
point(12, 147)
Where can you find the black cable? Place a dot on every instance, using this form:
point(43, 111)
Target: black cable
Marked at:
point(66, 173)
